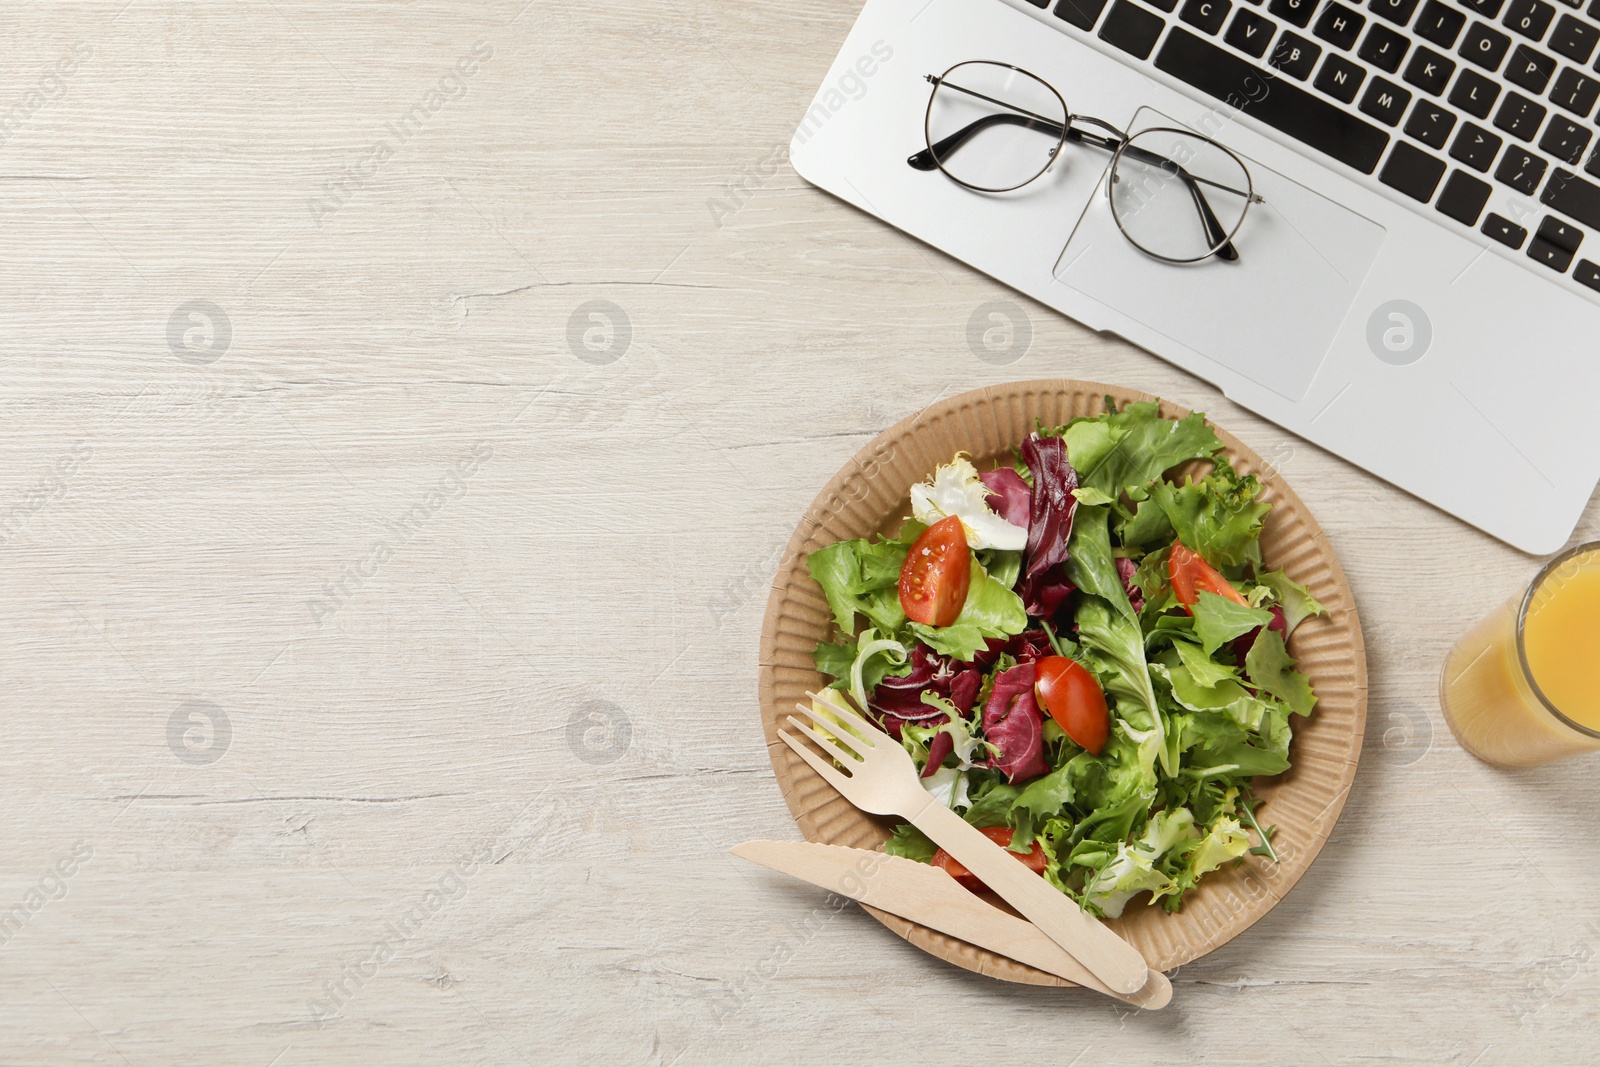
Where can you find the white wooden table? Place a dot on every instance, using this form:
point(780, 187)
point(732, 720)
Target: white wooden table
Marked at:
point(404, 409)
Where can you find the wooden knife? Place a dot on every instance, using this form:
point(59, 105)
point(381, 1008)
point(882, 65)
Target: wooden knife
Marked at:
point(929, 896)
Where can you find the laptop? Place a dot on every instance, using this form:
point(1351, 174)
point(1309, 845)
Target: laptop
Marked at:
point(1417, 289)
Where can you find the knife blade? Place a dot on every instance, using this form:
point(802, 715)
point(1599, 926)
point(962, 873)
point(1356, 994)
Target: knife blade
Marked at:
point(927, 895)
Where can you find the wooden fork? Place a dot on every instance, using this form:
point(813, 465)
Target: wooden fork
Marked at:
point(881, 778)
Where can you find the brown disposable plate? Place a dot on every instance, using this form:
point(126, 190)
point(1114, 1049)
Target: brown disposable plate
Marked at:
point(870, 496)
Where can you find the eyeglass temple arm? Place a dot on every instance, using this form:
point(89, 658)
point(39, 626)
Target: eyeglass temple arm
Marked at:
point(928, 158)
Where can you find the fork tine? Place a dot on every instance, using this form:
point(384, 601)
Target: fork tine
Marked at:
point(859, 745)
point(829, 774)
point(842, 740)
point(847, 715)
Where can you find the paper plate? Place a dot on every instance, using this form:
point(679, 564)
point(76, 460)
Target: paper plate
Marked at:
point(870, 496)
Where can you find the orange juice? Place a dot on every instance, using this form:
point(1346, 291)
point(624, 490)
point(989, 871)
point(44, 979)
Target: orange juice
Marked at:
point(1523, 686)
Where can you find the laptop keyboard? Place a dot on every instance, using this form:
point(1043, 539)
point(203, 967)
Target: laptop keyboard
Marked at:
point(1476, 109)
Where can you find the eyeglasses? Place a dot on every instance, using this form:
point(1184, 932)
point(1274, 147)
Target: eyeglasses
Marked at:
point(1176, 195)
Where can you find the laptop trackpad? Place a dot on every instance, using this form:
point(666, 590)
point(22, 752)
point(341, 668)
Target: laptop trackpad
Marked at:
point(1268, 316)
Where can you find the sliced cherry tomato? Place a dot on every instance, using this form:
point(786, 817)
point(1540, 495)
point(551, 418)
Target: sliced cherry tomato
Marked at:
point(1035, 859)
point(936, 574)
point(1074, 699)
point(1192, 576)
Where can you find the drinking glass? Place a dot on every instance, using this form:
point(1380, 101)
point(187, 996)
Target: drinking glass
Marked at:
point(1523, 686)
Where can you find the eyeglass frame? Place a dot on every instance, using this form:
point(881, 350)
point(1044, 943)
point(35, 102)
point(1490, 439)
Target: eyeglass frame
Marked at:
point(1119, 143)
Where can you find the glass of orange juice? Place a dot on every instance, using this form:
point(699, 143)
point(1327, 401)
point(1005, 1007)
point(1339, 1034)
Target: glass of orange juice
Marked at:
point(1523, 686)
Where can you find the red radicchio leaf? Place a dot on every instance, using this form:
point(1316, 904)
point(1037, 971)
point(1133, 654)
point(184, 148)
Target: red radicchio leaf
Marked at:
point(1051, 508)
point(964, 689)
point(897, 701)
point(1044, 595)
point(1126, 569)
point(1024, 648)
point(940, 747)
point(1009, 495)
point(1011, 723)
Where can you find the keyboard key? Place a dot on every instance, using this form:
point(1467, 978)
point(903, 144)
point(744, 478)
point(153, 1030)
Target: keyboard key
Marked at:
point(1530, 69)
point(1430, 124)
point(1463, 197)
point(1560, 233)
point(1474, 94)
point(1039, 3)
point(1080, 13)
point(1440, 24)
point(1574, 39)
point(1383, 48)
point(1529, 18)
point(1476, 147)
point(1576, 92)
point(1168, 6)
point(1587, 273)
point(1429, 71)
point(1484, 46)
point(1412, 171)
point(1207, 15)
point(1542, 251)
point(1249, 32)
point(1565, 140)
point(1593, 166)
point(1385, 101)
point(1295, 56)
point(1519, 116)
point(1487, 8)
point(1295, 11)
point(1340, 26)
point(1396, 11)
point(1572, 195)
point(1504, 230)
point(1340, 78)
point(1286, 107)
point(1132, 29)
point(1521, 170)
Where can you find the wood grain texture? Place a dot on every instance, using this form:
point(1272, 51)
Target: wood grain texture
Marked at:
point(608, 559)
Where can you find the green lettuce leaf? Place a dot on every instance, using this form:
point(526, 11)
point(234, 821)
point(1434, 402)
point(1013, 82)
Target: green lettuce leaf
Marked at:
point(1218, 516)
point(1225, 841)
point(1138, 866)
point(1113, 647)
point(879, 658)
point(1271, 669)
point(862, 577)
point(1148, 526)
point(1047, 795)
point(1004, 567)
point(1218, 620)
point(1090, 565)
point(911, 843)
point(833, 658)
point(1127, 449)
point(1202, 668)
point(1295, 599)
